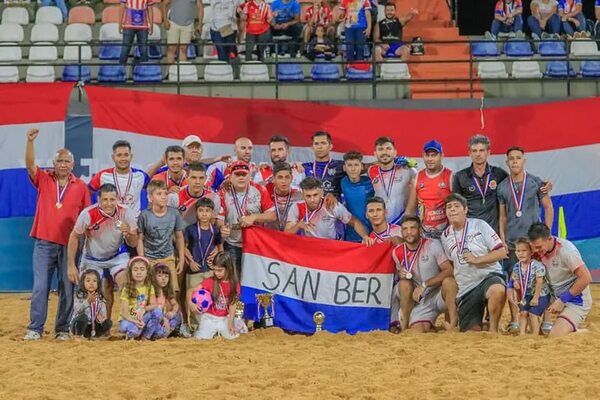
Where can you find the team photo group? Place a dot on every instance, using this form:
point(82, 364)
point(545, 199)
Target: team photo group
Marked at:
point(163, 247)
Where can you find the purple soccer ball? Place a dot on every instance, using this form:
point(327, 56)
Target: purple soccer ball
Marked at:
point(202, 299)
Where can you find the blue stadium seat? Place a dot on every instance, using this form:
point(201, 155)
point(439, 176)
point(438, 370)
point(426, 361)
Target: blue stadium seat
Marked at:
point(290, 72)
point(147, 73)
point(108, 51)
point(192, 54)
point(154, 52)
point(484, 49)
point(552, 48)
point(324, 71)
point(518, 48)
point(354, 74)
point(559, 69)
point(590, 69)
point(111, 73)
point(71, 73)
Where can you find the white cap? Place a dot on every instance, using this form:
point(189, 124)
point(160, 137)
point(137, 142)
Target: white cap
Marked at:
point(191, 139)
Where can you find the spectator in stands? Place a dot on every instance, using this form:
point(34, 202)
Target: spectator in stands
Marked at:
point(135, 19)
point(224, 27)
point(388, 34)
point(597, 24)
point(357, 19)
point(544, 20)
point(60, 4)
point(61, 197)
point(179, 23)
point(572, 18)
point(320, 46)
point(507, 19)
point(257, 17)
point(286, 21)
point(319, 14)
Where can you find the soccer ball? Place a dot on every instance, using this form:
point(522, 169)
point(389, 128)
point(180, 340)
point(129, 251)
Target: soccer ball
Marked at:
point(202, 299)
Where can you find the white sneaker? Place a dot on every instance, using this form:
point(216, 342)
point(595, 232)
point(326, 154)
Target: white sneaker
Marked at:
point(197, 335)
point(184, 331)
point(64, 336)
point(32, 335)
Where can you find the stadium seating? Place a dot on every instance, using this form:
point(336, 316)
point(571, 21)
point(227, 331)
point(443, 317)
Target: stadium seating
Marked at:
point(157, 16)
point(82, 15)
point(354, 73)
point(112, 73)
point(218, 71)
point(526, 69)
point(110, 14)
point(584, 48)
point(111, 39)
point(9, 73)
point(49, 15)
point(44, 32)
point(40, 73)
point(590, 69)
point(186, 72)
point(394, 70)
point(71, 73)
point(290, 72)
point(491, 70)
point(254, 71)
point(147, 73)
point(17, 15)
point(486, 48)
point(43, 35)
point(518, 48)
point(77, 35)
point(324, 71)
point(154, 51)
point(552, 48)
point(11, 32)
point(559, 69)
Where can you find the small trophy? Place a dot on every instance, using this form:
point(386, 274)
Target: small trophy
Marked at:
point(319, 318)
point(238, 320)
point(266, 300)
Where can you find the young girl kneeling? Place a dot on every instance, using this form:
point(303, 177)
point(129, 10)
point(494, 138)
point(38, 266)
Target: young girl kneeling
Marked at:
point(165, 298)
point(89, 308)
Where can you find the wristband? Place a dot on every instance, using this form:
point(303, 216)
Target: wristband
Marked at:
point(566, 297)
point(510, 284)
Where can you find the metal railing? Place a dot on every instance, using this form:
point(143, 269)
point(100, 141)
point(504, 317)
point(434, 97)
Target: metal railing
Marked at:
point(275, 60)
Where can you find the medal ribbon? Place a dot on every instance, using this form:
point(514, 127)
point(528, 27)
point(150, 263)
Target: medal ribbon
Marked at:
point(381, 236)
point(127, 187)
point(177, 183)
point(483, 191)
point(518, 201)
point(204, 253)
point(282, 217)
point(410, 264)
point(60, 193)
point(240, 208)
point(93, 313)
point(191, 199)
point(115, 217)
point(324, 169)
point(309, 214)
point(463, 240)
point(387, 189)
point(524, 280)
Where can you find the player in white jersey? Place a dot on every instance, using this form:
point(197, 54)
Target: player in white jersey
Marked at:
point(243, 149)
point(383, 231)
point(568, 276)
point(106, 227)
point(314, 219)
point(129, 181)
point(427, 287)
point(476, 251)
point(279, 151)
point(391, 182)
point(283, 194)
point(196, 189)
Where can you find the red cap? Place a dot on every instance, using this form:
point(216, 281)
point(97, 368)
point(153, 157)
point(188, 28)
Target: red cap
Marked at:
point(237, 167)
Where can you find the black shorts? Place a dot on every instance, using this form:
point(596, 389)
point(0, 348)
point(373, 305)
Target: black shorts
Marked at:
point(471, 305)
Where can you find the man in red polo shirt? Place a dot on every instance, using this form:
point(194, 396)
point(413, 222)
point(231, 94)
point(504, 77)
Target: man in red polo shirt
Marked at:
point(61, 197)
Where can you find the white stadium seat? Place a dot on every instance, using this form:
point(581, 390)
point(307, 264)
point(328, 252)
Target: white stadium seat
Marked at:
point(9, 73)
point(584, 47)
point(10, 53)
point(78, 33)
point(254, 71)
point(40, 73)
point(491, 69)
point(187, 73)
point(110, 32)
point(49, 14)
point(44, 32)
point(526, 69)
point(218, 71)
point(394, 70)
point(11, 32)
point(71, 53)
point(41, 51)
point(155, 37)
point(17, 15)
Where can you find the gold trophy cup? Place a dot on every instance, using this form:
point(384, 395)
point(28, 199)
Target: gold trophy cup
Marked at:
point(266, 300)
point(319, 318)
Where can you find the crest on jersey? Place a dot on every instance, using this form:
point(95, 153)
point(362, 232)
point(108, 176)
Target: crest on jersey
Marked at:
point(422, 185)
point(442, 185)
point(425, 258)
point(471, 188)
point(182, 208)
point(330, 171)
point(493, 184)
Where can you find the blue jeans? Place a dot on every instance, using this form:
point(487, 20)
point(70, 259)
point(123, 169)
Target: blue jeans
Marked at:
point(552, 25)
point(225, 45)
point(152, 320)
point(498, 26)
point(569, 29)
point(174, 322)
point(60, 4)
point(291, 47)
point(47, 258)
point(355, 44)
point(142, 41)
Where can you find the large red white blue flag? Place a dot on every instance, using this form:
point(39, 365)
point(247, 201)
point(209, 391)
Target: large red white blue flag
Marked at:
point(348, 282)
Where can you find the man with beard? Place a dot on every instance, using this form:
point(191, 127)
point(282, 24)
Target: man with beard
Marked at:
point(279, 150)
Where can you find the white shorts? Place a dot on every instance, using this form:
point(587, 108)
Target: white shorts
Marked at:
point(575, 314)
point(211, 325)
point(180, 34)
point(114, 266)
point(428, 309)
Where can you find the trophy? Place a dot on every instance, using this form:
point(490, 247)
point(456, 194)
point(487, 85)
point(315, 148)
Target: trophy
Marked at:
point(319, 318)
point(238, 320)
point(266, 300)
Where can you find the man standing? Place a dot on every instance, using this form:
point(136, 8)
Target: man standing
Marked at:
point(61, 197)
point(243, 149)
point(105, 227)
point(392, 182)
point(179, 23)
point(283, 194)
point(476, 251)
point(326, 169)
point(568, 277)
point(432, 186)
point(135, 20)
point(175, 176)
point(427, 287)
point(279, 150)
point(128, 181)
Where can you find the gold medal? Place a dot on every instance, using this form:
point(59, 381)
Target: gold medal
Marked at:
point(58, 204)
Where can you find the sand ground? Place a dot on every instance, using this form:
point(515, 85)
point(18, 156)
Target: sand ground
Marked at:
point(273, 365)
